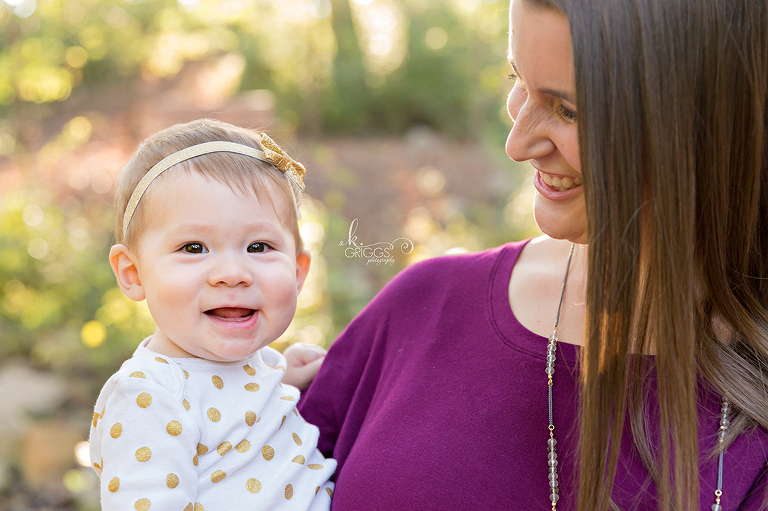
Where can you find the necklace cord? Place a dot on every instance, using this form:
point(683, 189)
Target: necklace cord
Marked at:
point(554, 490)
point(562, 289)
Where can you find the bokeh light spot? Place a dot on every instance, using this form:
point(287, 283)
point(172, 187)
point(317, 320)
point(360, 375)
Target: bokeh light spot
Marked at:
point(93, 333)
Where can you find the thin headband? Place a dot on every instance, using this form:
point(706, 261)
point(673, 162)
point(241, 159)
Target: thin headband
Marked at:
point(272, 154)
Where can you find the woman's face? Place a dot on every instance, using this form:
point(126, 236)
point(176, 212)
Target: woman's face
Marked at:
point(542, 105)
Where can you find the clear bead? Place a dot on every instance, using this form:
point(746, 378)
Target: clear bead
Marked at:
point(552, 463)
point(554, 497)
point(552, 456)
point(725, 423)
point(717, 507)
point(550, 370)
point(551, 358)
point(553, 476)
point(551, 442)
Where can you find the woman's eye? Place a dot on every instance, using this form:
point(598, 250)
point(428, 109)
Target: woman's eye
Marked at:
point(257, 247)
point(194, 248)
point(566, 113)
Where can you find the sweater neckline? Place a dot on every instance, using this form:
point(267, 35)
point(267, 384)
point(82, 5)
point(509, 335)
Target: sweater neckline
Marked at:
point(503, 319)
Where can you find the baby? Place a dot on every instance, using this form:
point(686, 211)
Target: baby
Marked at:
point(198, 420)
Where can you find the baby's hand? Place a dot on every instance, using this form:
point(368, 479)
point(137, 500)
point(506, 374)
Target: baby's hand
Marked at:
point(304, 361)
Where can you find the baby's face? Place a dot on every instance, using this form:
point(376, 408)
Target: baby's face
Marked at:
point(219, 270)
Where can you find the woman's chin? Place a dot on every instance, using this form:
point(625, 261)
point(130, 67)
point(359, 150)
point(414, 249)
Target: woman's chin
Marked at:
point(561, 221)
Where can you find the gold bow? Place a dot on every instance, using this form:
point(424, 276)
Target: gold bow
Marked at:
point(282, 161)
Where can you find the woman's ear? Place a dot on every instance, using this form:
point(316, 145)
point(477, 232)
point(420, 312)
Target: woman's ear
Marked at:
point(303, 259)
point(125, 267)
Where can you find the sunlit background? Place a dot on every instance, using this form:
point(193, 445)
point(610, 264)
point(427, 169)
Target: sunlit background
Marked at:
point(396, 108)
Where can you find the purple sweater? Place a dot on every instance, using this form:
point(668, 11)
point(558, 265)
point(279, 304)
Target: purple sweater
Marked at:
point(435, 397)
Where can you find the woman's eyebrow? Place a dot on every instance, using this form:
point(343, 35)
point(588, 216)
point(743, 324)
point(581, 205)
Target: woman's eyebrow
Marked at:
point(558, 94)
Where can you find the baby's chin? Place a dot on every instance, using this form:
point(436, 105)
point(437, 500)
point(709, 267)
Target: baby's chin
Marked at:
point(232, 351)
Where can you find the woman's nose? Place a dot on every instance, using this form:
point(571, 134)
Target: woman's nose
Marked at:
point(528, 138)
point(230, 270)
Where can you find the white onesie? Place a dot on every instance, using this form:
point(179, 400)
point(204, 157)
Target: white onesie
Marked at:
point(197, 435)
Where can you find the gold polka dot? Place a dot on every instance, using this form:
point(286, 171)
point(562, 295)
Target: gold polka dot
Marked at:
point(218, 382)
point(224, 448)
point(218, 476)
point(250, 370)
point(299, 459)
point(199, 507)
point(250, 418)
point(114, 484)
point(295, 412)
point(251, 387)
point(172, 481)
point(288, 398)
point(268, 452)
point(161, 360)
point(296, 439)
point(143, 454)
point(243, 446)
point(189, 507)
point(95, 419)
point(144, 400)
point(315, 466)
point(194, 460)
point(186, 374)
point(174, 428)
point(317, 490)
point(214, 415)
point(185, 404)
point(283, 422)
point(201, 449)
point(253, 485)
point(329, 492)
point(97, 466)
point(280, 368)
point(137, 374)
point(288, 492)
point(142, 505)
point(117, 430)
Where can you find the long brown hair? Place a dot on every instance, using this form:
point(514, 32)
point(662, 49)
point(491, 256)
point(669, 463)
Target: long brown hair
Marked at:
point(672, 98)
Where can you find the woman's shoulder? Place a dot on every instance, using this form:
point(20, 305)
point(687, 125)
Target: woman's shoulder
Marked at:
point(458, 266)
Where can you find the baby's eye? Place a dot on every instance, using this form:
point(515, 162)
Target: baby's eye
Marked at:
point(194, 248)
point(258, 247)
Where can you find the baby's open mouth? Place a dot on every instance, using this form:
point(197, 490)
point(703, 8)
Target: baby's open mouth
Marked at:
point(231, 313)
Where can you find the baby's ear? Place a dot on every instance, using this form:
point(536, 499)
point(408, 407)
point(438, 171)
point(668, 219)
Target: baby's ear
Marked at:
point(126, 270)
point(303, 259)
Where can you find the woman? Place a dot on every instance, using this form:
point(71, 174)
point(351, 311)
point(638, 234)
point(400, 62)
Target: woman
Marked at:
point(646, 123)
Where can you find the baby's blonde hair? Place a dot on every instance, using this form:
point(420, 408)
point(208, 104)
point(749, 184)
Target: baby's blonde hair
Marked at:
point(242, 173)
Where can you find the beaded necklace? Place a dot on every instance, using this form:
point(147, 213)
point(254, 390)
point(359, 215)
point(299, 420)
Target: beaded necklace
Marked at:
point(554, 493)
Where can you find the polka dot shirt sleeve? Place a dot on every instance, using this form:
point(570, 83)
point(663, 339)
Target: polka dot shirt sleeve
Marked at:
point(144, 446)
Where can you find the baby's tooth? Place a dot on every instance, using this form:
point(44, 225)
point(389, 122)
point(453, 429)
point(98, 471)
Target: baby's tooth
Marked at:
point(547, 178)
point(577, 181)
point(567, 182)
point(556, 182)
